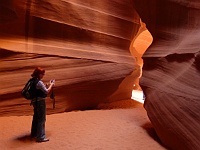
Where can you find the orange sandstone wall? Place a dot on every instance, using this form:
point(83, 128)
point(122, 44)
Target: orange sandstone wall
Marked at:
point(171, 72)
point(84, 45)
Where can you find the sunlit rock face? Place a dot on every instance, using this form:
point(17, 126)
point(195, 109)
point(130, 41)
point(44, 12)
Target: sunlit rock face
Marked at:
point(171, 71)
point(84, 45)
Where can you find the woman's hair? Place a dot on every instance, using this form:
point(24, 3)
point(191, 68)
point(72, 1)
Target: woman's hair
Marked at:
point(37, 72)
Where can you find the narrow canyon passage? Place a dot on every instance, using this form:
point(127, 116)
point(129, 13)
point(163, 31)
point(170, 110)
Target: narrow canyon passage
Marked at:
point(139, 45)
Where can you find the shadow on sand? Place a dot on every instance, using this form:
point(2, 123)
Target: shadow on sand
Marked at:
point(26, 138)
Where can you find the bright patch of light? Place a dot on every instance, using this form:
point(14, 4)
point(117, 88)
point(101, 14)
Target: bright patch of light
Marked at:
point(138, 95)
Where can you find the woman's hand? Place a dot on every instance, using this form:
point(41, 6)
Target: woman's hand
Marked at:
point(52, 81)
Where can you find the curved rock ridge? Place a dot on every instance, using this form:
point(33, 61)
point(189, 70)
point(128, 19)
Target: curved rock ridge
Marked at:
point(85, 30)
point(171, 74)
point(84, 45)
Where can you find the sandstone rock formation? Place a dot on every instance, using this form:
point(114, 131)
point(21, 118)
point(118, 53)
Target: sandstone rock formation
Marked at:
point(84, 45)
point(171, 70)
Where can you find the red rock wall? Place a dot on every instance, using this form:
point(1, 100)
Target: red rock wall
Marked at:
point(84, 45)
point(171, 72)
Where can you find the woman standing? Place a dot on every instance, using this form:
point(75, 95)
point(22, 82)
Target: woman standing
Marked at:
point(39, 116)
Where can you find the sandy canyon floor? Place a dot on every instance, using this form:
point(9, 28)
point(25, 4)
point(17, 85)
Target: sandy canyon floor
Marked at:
point(121, 125)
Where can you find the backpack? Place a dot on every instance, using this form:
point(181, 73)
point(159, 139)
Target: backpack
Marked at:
point(29, 91)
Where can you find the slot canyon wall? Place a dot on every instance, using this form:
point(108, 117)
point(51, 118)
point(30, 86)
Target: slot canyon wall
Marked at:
point(84, 45)
point(171, 72)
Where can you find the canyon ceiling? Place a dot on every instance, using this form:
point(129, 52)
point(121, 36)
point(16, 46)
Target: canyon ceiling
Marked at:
point(85, 46)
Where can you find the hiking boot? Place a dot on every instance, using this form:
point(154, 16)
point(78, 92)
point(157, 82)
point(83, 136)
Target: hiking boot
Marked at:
point(42, 140)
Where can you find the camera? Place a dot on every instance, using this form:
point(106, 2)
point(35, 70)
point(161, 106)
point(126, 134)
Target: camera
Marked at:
point(53, 81)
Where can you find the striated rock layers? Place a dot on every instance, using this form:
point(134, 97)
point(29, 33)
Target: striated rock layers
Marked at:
point(171, 71)
point(84, 45)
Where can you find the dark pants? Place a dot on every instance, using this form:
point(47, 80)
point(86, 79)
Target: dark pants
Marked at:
point(39, 118)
